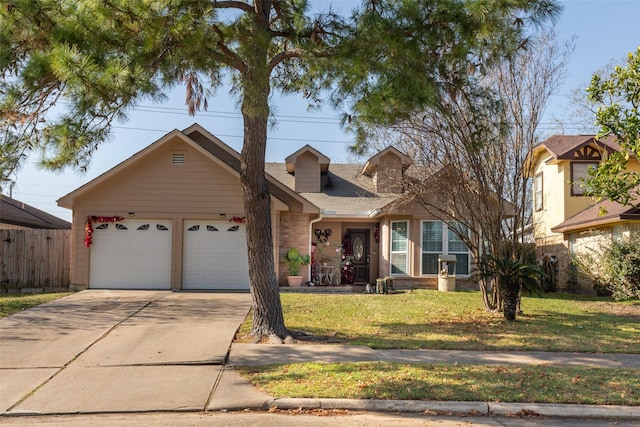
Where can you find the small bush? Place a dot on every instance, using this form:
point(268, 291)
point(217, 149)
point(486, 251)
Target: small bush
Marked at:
point(614, 267)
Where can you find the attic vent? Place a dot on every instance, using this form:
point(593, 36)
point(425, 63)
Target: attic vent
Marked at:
point(178, 159)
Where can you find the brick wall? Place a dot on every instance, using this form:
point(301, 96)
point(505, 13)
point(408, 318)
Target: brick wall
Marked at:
point(567, 279)
point(293, 232)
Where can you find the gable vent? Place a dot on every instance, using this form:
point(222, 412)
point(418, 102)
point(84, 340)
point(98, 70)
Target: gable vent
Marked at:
point(178, 159)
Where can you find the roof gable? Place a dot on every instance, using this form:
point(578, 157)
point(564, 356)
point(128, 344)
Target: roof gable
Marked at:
point(207, 144)
point(373, 163)
point(291, 160)
point(569, 147)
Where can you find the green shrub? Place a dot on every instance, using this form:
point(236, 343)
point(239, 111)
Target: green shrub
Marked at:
point(614, 267)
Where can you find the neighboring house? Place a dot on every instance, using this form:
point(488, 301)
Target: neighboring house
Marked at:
point(565, 220)
point(171, 217)
point(34, 249)
point(15, 214)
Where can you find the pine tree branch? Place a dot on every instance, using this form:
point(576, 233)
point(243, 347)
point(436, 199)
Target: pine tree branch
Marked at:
point(233, 4)
point(284, 55)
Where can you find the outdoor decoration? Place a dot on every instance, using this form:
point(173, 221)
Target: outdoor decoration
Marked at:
point(347, 256)
point(88, 238)
point(238, 219)
point(322, 236)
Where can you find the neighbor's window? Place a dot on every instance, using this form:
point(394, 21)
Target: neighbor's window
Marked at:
point(618, 232)
point(399, 247)
point(538, 194)
point(440, 239)
point(579, 171)
point(457, 247)
point(431, 246)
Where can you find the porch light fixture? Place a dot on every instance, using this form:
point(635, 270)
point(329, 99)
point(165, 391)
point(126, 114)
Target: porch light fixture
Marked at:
point(132, 214)
point(223, 215)
point(322, 236)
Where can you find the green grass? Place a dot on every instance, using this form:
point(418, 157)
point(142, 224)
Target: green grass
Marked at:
point(10, 304)
point(382, 380)
point(438, 320)
point(442, 320)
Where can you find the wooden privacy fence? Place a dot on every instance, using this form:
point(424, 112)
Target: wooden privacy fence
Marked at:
point(34, 260)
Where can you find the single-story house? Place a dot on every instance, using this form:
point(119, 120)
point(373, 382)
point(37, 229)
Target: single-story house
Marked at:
point(16, 214)
point(172, 217)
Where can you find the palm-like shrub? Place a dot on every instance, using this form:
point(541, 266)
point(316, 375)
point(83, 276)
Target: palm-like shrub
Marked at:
point(512, 275)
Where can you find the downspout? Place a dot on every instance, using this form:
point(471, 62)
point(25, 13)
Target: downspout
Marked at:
point(313, 221)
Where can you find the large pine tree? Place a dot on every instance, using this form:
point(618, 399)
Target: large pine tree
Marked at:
point(97, 59)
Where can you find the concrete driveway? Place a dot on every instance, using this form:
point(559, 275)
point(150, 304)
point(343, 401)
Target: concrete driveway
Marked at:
point(117, 351)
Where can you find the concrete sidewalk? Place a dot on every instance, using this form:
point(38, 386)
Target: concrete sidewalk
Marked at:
point(240, 395)
point(264, 354)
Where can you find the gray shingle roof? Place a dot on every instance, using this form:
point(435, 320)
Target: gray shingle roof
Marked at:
point(17, 213)
point(345, 191)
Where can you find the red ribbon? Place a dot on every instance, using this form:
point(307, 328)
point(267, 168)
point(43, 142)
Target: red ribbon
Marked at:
point(88, 238)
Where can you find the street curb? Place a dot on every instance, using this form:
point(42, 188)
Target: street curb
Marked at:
point(566, 410)
point(475, 408)
point(469, 408)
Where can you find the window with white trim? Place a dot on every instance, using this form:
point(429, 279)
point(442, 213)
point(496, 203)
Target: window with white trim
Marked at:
point(432, 246)
point(537, 191)
point(580, 171)
point(457, 247)
point(399, 247)
point(440, 239)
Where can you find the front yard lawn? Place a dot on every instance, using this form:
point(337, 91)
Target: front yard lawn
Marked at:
point(384, 380)
point(438, 320)
point(425, 319)
point(10, 304)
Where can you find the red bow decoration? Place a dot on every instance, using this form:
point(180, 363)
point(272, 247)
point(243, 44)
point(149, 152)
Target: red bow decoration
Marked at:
point(88, 238)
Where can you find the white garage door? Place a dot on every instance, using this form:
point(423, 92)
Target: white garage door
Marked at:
point(131, 254)
point(215, 256)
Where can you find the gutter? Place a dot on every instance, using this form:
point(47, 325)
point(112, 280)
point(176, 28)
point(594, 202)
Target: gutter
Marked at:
point(313, 221)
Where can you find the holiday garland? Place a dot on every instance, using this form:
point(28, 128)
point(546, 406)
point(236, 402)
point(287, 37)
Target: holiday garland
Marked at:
point(347, 255)
point(88, 238)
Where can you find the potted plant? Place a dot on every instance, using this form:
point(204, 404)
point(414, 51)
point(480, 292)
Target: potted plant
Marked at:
point(294, 261)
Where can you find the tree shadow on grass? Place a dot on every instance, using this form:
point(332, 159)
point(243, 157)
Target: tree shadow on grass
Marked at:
point(543, 331)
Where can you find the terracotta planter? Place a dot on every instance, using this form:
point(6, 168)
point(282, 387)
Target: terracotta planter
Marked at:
point(294, 281)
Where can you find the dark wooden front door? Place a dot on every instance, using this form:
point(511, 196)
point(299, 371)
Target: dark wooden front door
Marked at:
point(360, 247)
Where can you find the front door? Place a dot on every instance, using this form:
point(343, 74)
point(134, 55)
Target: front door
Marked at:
point(360, 247)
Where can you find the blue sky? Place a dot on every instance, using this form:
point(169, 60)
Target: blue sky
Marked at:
point(606, 30)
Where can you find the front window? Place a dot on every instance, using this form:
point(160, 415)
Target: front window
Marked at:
point(457, 247)
point(432, 246)
point(579, 172)
point(440, 239)
point(399, 247)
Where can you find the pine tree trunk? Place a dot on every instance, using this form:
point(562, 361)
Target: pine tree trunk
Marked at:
point(268, 319)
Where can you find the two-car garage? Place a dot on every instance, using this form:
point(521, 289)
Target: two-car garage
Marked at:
point(137, 254)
